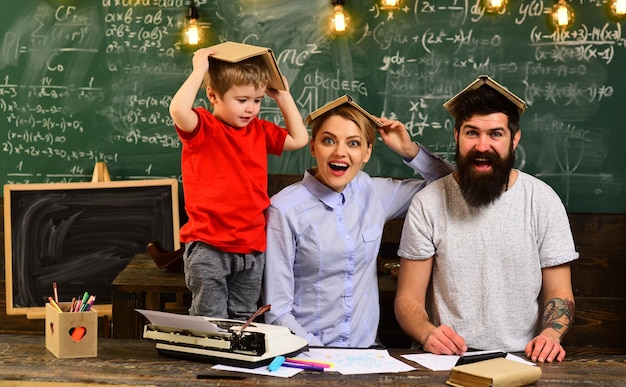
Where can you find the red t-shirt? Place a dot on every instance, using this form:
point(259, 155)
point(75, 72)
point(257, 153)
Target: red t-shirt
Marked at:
point(225, 182)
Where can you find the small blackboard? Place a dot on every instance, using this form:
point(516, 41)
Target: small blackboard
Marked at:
point(81, 235)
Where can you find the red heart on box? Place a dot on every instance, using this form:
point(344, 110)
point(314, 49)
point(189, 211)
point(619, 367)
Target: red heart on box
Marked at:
point(77, 333)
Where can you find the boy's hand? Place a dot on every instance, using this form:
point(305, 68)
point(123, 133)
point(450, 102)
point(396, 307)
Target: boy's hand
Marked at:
point(200, 59)
point(275, 94)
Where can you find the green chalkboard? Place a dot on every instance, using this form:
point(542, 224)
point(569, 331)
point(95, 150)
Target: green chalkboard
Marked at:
point(88, 81)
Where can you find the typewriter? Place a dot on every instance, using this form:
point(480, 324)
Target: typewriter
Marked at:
point(221, 341)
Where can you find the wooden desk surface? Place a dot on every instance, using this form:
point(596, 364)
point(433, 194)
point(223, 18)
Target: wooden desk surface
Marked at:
point(136, 362)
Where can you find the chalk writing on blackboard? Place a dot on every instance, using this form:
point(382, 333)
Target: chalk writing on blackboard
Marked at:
point(91, 81)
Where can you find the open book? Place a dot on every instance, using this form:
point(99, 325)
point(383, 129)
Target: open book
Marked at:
point(346, 99)
point(498, 372)
point(234, 52)
point(486, 80)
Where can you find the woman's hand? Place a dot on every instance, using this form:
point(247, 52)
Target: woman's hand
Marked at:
point(397, 138)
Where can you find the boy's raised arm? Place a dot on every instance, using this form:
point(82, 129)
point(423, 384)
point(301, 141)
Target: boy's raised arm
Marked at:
point(298, 134)
point(182, 102)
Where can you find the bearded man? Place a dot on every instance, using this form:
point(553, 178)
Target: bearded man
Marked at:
point(485, 251)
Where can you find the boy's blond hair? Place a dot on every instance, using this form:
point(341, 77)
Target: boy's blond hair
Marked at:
point(224, 75)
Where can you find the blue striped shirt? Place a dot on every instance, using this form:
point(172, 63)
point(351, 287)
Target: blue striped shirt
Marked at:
point(321, 269)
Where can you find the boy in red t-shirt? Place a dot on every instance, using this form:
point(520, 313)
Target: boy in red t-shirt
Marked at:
point(224, 169)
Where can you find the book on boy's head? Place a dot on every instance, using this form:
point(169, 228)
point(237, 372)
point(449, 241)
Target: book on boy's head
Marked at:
point(499, 372)
point(346, 99)
point(234, 52)
point(486, 80)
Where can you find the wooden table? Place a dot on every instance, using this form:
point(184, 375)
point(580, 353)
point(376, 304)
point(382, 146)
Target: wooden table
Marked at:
point(142, 285)
point(24, 360)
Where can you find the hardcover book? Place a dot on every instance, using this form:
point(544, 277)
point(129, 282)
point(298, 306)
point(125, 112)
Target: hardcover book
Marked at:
point(498, 372)
point(486, 80)
point(346, 99)
point(234, 52)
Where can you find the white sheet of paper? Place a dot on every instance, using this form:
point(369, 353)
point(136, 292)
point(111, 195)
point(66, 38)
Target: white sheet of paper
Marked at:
point(179, 321)
point(282, 372)
point(446, 362)
point(356, 361)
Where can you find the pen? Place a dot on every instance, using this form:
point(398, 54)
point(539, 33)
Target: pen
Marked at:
point(468, 358)
point(216, 377)
point(56, 293)
point(303, 366)
point(276, 363)
point(54, 305)
point(310, 362)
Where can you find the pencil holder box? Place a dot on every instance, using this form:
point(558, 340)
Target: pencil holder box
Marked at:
point(71, 334)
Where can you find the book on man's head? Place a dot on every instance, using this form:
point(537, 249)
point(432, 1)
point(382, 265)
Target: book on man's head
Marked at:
point(234, 52)
point(486, 80)
point(346, 99)
point(498, 372)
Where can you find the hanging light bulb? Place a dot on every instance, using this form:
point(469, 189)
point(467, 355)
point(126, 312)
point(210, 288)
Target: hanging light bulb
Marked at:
point(495, 6)
point(192, 33)
point(562, 15)
point(617, 9)
point(339, 21)
point(390, 5)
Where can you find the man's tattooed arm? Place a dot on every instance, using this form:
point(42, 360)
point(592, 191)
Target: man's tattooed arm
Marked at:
point(559, 315)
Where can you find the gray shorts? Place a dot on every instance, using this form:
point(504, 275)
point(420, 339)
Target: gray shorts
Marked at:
point(222, 284)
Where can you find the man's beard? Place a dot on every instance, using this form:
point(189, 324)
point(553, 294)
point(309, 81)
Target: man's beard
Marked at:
point(482, 188)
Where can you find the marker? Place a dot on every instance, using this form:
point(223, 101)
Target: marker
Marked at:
point(310, 362)
point(276, 363)
point(85, 298)
point(90, 302)
point(303, 366)
point(85, 307)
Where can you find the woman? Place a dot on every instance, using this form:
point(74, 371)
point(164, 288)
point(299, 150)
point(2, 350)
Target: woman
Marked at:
point(324, 232)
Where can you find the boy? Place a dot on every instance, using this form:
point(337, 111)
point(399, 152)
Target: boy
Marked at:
point(224, 167)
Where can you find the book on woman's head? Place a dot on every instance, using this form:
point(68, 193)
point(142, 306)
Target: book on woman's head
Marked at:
point(346, 99)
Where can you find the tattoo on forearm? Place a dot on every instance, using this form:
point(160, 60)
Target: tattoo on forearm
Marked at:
point(559, 314)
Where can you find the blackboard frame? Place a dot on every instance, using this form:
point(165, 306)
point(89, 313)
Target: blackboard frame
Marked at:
point(75, 223)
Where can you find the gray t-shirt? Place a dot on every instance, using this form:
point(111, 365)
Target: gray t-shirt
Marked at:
point(486, 279)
